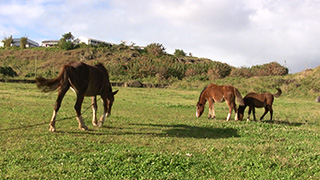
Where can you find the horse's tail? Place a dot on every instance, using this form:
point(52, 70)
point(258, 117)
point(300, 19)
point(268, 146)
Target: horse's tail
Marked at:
point(278, 93)
point(239, 97)
point(47, 85)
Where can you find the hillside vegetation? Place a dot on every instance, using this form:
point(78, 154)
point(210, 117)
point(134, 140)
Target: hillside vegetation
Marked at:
point(153, 65)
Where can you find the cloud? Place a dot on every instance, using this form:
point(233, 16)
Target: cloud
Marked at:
point(241, 33)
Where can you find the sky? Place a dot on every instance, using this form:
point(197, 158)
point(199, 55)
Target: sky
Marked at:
point(241, 33)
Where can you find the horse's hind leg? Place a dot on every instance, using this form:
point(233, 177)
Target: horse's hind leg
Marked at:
point(230, 110)
point(94, 111)
point(266, 109)
point(271, 113)
point(57, 106)
point(254, 113)
point(236, 111)
point(77, 107)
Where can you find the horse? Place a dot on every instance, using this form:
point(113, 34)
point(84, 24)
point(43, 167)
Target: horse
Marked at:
point(84, 80)
point(258, 100)
point(215, 93)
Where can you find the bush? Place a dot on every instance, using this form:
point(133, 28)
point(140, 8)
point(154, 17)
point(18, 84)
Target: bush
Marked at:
point(156, 49)
point(23, 42)
point(8, 71)
point(270, 69)
point(179, 53)
point(243, 72)
point(66, 45)
point(7, 41)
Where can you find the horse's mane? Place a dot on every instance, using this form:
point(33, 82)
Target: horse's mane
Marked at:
point(202, 92)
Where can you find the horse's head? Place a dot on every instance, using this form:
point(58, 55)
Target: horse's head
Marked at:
point(110, 100)
point(241, 112)
point(200, 109)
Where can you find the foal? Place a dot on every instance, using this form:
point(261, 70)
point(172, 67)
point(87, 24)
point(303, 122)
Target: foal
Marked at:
point(214, 93)
point(258, 100)
point(85, 80)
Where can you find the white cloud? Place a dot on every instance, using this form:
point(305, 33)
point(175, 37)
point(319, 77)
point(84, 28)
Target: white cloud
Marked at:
point(241, 33)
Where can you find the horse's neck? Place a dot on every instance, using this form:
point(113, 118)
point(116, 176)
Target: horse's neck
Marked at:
point(203, 97)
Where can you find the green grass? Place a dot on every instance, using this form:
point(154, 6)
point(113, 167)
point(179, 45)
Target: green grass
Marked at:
point(154, 134)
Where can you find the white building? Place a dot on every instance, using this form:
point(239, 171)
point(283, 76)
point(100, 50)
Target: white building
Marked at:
point(49, 43)
point(29, 43)
point(91, 41)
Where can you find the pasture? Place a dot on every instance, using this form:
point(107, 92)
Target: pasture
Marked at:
point(154, 134)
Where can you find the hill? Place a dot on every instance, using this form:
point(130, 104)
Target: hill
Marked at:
point(129, 62)
point(153, 65)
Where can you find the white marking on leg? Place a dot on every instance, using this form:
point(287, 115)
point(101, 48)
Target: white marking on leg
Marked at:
point(73, 90)
point(94, 116)
point(228, 117)
point(102, 119)
point(54, 115)
point(52, 123)
point(248, 119)
point(82, 126)
point(236, 117)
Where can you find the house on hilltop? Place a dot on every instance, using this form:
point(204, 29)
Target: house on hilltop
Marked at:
point(90, 41)
point(49, 43)
point(16, 42)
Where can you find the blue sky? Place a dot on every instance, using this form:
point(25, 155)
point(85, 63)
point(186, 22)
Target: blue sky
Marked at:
point(240, 33)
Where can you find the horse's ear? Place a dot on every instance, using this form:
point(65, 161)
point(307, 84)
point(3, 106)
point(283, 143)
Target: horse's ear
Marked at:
point(114, 93)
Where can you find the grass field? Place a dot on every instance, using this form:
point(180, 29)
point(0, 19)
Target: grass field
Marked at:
point(154, 134)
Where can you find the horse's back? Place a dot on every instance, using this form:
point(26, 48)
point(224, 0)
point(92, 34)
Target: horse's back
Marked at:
point(221, 93)
point(258, 100)
point(87, 79)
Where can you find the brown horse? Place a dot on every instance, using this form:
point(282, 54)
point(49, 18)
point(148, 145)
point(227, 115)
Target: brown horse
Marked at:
point(258, 100)
point(214, 93)
point(84, 80)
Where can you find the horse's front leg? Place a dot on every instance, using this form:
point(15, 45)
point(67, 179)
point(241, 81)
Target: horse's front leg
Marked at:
point(77, 107)
point(105, 112)
point(94, 111)
point(212, 113)
point(249, 112)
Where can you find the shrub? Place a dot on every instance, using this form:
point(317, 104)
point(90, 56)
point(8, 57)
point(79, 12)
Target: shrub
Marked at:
point(66, 42)
point(179, 53)
point(243, 72)
point(270, 69)
point(7, 41)
point(8, 71)
point(23, 42)
point(155, 49)
point(220, 69)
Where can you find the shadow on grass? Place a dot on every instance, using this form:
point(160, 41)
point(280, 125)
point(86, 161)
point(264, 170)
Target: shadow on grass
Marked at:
point(179, 131)
point(186, 131)
point(285, 122)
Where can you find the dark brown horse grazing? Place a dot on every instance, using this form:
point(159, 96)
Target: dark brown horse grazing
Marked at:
point(85, 80)
point(258, 100)
point(214, 93)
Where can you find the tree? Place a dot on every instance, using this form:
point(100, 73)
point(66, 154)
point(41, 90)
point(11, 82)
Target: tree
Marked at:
point(179, 53)
point(23, 42)
point(66, 41)
point(7, 41)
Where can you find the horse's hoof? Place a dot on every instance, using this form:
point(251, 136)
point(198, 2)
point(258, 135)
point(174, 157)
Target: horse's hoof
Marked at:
point(52, 129)
point(95, 124)
point(100, 124)
point(84, 128)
